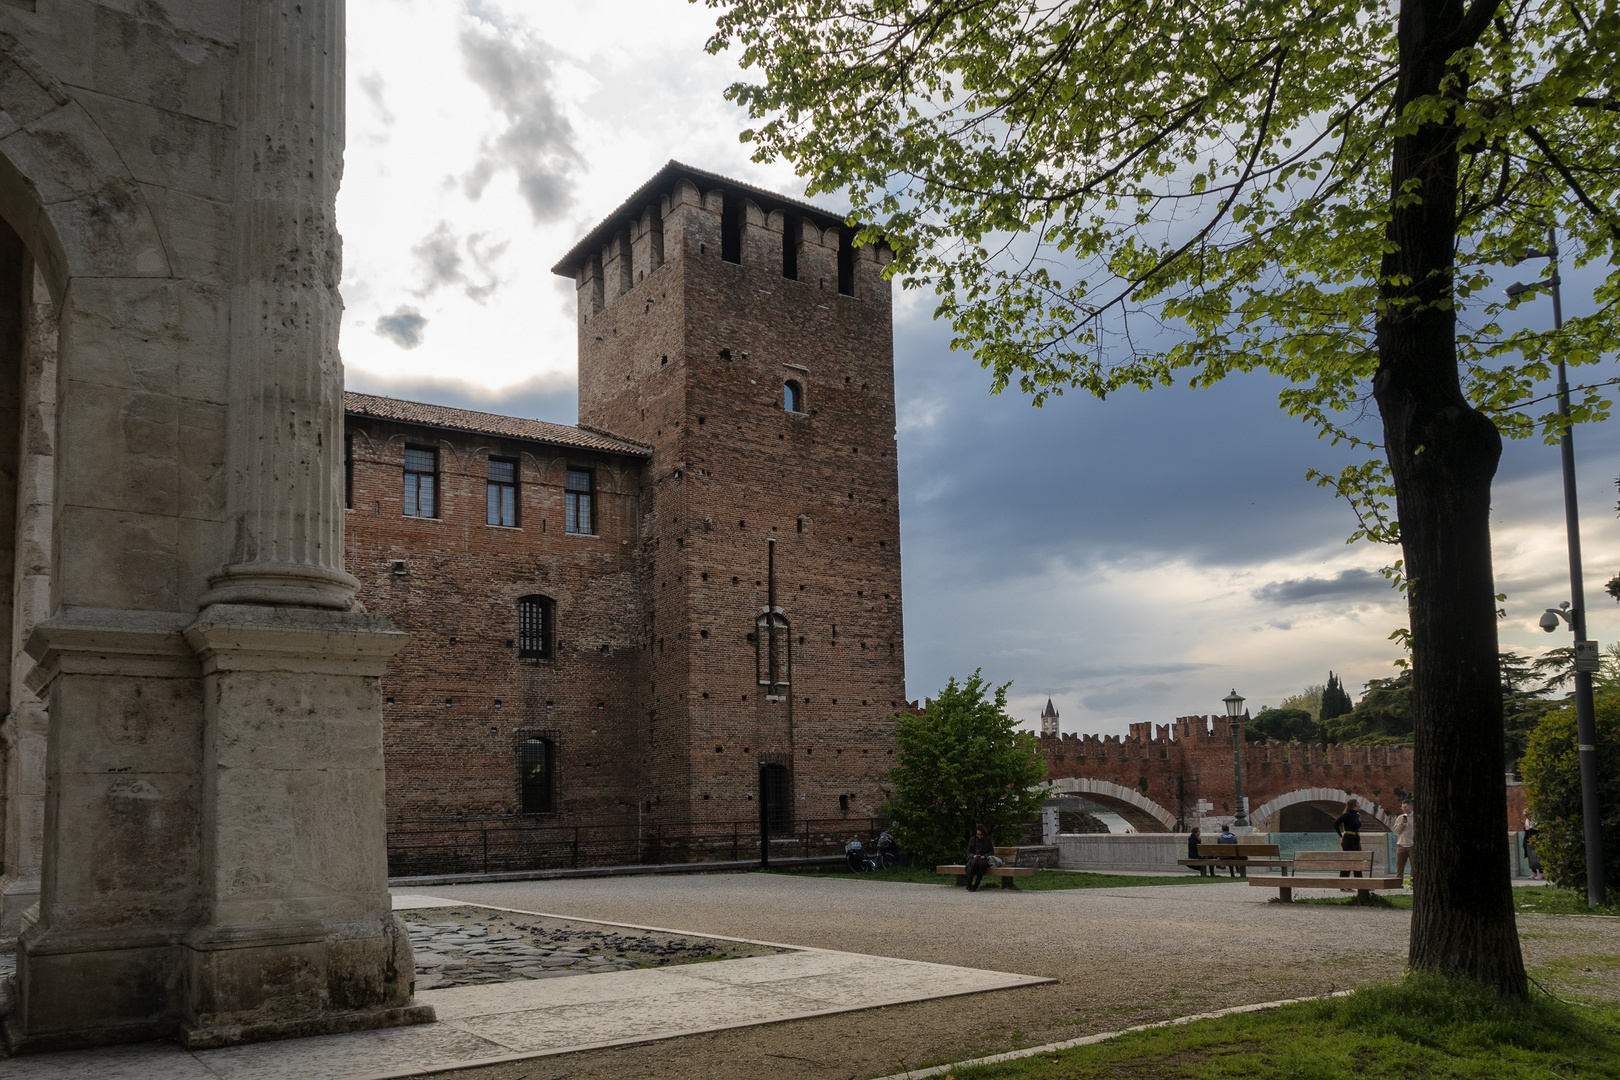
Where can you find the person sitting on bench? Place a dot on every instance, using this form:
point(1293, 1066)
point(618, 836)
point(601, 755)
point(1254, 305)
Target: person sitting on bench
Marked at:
point(979, 850)
point(1229, 837)
point(1195, 838)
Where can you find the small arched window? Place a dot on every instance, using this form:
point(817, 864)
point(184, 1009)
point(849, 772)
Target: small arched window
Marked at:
point(535, 631)
point(536, 761)
point(773, 653)
point(793, 396)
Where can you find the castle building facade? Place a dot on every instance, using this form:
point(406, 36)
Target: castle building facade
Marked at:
point(689, 604)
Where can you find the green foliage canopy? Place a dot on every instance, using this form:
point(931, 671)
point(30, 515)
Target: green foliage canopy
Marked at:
point(1383, 715)
point(1335, 702)
point(1130, 193)
point(1282, 725)
point(964, 762)
point(1552, 784)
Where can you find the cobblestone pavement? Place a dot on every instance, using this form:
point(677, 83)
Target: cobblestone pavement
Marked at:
point(468, 946)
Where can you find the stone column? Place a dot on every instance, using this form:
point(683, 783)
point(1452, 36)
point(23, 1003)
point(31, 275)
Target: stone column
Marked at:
point(284, 502)
point(297, 936)
point(24, 733)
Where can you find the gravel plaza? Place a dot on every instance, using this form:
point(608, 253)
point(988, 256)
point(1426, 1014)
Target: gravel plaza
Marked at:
point(832, 977)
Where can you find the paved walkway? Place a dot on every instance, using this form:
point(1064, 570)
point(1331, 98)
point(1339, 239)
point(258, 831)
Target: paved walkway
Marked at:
point(507, 1021)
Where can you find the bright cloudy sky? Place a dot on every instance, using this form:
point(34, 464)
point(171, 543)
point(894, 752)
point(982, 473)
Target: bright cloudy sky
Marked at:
point(1133, 559)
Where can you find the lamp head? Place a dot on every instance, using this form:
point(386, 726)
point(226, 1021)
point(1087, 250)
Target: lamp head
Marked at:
point(1519, 288)
point(1234, 704)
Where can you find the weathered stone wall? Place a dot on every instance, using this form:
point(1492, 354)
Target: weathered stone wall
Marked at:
point(211, 859)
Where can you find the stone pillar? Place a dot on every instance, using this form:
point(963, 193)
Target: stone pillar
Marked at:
point(24, 732)
point(284, 496)
point(296, 935)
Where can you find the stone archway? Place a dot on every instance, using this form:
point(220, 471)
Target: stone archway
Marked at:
point(212, 860)
point(1323, 799)
point(1143, 814)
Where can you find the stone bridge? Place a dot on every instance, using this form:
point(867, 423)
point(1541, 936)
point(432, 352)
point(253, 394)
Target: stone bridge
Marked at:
point(1164, 777)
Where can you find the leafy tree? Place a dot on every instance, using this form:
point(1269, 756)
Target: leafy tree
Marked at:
point(1282, 725)
point(1552, 783)
point(1335, 702)
point(1523, 704)
point(1127, 193)
point(964, 762)
point(1308, 699)
point(1383, 715)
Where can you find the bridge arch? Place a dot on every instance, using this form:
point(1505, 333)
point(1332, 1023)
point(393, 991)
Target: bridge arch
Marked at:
point(1143, 814)
point(1324, 799)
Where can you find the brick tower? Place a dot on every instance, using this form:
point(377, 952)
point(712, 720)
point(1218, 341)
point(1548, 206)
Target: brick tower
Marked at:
point(749, 343)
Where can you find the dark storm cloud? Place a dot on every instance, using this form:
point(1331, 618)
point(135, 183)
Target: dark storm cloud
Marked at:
point(538, 143)
point(441, 262)
point(552, 397)
point(1308, 590)
point(404, 327)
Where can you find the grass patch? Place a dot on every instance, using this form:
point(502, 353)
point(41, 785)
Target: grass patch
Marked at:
point(1551, 900)
point(1422, 1027)
point(1042, 879)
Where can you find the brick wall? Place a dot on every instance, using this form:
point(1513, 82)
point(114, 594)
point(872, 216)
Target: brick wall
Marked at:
point(1176, 765)
point(652, 699)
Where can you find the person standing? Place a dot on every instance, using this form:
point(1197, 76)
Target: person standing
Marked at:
point(979, 850)
point(1348, 826)
point(1404, 826)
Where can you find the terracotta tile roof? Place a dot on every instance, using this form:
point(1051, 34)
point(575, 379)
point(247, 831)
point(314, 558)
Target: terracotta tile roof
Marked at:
point(511, 427)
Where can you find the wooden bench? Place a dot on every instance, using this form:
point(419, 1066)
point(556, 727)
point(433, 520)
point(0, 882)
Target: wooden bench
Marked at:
point(1320, 870)
point(1005, 873)
point(1239, 855)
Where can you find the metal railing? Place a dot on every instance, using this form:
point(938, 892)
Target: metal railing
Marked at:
point(418, 847)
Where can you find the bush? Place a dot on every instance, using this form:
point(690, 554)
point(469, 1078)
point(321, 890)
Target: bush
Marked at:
point(963, 763)
point(1552, 782)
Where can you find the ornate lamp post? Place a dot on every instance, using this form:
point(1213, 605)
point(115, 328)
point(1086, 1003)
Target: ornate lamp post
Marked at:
point(1234, 711)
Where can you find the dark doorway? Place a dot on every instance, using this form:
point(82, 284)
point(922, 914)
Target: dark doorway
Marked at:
point(776, 797)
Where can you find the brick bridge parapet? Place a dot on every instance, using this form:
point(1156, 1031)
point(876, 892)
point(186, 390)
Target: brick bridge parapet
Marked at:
point(1178, 766)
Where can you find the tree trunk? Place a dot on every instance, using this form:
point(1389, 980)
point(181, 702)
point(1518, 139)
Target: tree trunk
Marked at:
point(1443, 454)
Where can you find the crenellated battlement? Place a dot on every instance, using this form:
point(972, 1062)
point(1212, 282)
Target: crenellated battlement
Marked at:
point(1189, 763)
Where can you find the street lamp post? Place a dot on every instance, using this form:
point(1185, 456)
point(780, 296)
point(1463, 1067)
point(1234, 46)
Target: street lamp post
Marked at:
point(1585, 651)
point(1234, 710)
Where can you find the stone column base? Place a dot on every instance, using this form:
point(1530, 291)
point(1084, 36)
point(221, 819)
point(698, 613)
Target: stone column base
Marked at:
point(209, 1038)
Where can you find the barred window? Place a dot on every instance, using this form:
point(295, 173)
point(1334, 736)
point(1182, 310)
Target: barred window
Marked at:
point(792, 396)
point(578, 501)
point(535, 615)
point(536, 764)
point(421, 476)
point(502, 492)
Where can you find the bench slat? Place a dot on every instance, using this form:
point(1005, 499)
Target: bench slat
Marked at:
point(1239, 849)
point(1322, 881)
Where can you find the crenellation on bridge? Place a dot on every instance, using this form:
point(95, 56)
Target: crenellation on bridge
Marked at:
point(1185, 769)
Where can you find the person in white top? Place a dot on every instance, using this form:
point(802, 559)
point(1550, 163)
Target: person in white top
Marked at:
point(1404, 826)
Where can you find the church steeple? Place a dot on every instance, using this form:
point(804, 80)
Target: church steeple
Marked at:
point(1049, 719)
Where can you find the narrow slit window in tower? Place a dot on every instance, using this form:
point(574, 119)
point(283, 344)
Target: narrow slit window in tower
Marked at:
point(731, 216)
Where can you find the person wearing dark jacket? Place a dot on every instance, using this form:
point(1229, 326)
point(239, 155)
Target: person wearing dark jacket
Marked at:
point(979, 850)
point(1195, 838)
point(1348, 826)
